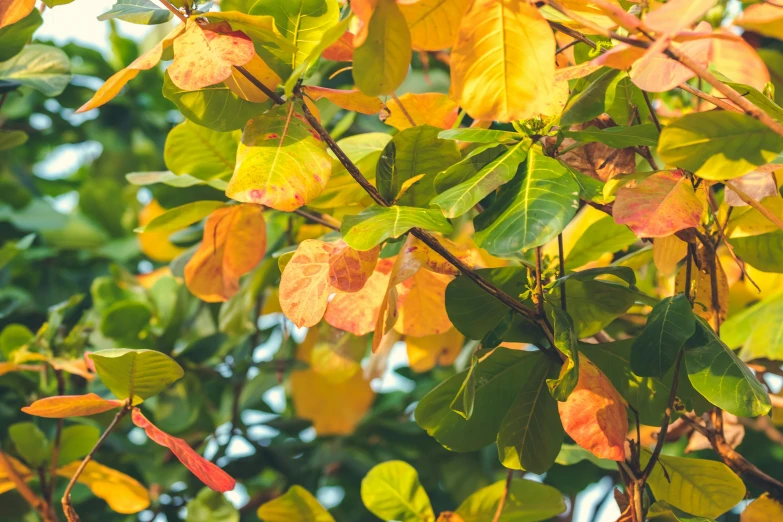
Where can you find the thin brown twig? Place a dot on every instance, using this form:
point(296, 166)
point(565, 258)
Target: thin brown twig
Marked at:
point(506, 489)
point(174, 10)
point(652, 110)
point(321, 219)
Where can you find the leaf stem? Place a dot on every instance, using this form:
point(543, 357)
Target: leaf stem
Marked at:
point(502, 503)
point(70, 512)
point(174, 10)
point(30, 497)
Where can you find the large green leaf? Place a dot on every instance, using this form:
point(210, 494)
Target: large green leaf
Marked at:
point(281, 161)
point(461, 198)
point(76, 442)
point(413, 152)
point(764, 251)
point(475, 160)
point(718, 374)
point(593, 305)
point(42, 67)
point(214, 107)
point(703, 487)
point(141, 12)
point(527, 501)
point(363, 150)
point(30, 443)
point(662, 511)
point(180, 217)
point(380, 63)
point(530, 210)
point(169, 178)
point(647, 395)
point(209, 506)
point(758, 329)
point(480, 135)
point(473, 311)
point(669, 325)
point(601, 237)
point(136, 374)
point(391, 491)
point(590, 102)
point(531, 433)
point(376, 224)
point(498, 379)
point(718, 145)
point(296, 504)
point(302, 22)
point(618, 137)
point(571, 454)
point(566, 341)
point(200, 152)
point(14, 37)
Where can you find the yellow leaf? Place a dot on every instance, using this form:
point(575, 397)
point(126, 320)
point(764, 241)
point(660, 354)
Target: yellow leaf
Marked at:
point(424, 353)
point(430, 108)
point(357, 312)
point(380, 62)
point(763, 509)
point(244, 88)
point(116, 82)
point(156, 245)
point(433, 23)
point(234, 243)
point(204, 55)
point(352, 100)
point(11, 11)
point(123, 494)
point(502, 67)
point(766, 19)
point(667, 252)
point(281, 161)
point(334, 408)
point(425, 297)
point(337, 355)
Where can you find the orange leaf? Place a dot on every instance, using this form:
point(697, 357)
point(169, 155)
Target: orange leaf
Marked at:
point(317, 270)
point(425, 297)
point(763, 19)
point(594, 414)
point(234, 243)
point(352, 100)
point(656, 72)
point(6, 484)
point(62, 406)
point(430, 108)
point(73, 366)
point(675, 15)
point(356, 312)
point(659, 205)
point(341, 50)
point(433, 23)
point(203, 56)
point(244, 88)
point(208, 473)
point(11, 11)
point(116, 82)
point(156, 245)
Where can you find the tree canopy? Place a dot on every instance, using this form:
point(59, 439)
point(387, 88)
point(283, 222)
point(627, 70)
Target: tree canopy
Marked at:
point(398, 260)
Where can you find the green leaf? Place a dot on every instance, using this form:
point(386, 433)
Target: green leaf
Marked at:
point(530, 210)
point(363, 150)
point(13, 337)
point(498, 379)
point(718, 145)
point(178, 407)
point(669, 325)
point(391, 491)
point(296, 504)
point(567, 342)
point(589, 103)
point(647, 395)
point(281, 161)
point(718, 374)
point(703, 487)
point(30, 443)
point(141, 12)
point(764, 251)
point(12, 139)
point(530, 435)
point(480, 135)
point(662, 511)
point(754, 96)
point(413, 152)
point(461, 198)
point(125, 320)
point(593, 305)
point(473, 311)
point(139, 374)
point(590, 189)
point(376, 224)
point(571, 454)
point(465, 399)
point(42, 67)
point(209, 506)
point(200, 152)
point(14, 37)
point(13, 248)
point(180, 217)
point(618, 137)
point(603, 236)
point(214, 107)
point(172, 180)
point(301, 22)
point(757, 329)
point(527, 501)
point(475, 160)
point(381, 63)
point(624, 99)
point(76, 442)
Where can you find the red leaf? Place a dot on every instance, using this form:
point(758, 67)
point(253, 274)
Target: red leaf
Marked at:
point(71, 406)
point(594, 414)
point(208, 473)
point(341, 50)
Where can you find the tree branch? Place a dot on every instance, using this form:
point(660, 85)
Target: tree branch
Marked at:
point(30, 497)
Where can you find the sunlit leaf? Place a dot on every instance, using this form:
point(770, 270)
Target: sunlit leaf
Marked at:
point(62, 406)
point(430, 108)
point(141, 12)
point(296, 504)
point(392, 491)
point(352, 100)
point(527, 501)
point(376, 224)
point(135, 374)
point(123, 494)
